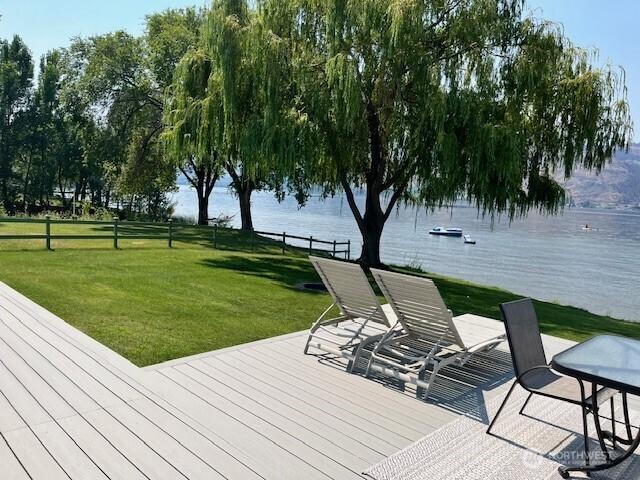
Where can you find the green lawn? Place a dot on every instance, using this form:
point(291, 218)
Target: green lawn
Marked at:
point(151, 303)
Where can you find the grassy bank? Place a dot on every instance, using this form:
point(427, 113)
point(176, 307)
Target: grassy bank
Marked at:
point(152, 304)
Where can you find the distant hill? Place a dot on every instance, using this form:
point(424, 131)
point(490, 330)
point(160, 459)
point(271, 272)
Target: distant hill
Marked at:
point(618, 186)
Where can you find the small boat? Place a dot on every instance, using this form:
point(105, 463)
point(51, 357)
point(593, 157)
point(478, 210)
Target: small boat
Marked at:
point(469, 240)
point(446, 232)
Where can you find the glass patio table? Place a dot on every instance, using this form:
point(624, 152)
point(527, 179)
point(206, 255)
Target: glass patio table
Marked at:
point(604, 361)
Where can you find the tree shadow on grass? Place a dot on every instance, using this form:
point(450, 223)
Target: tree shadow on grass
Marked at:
point(289, 272)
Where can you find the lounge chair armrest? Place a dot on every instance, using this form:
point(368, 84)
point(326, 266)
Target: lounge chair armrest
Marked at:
point(487, 344)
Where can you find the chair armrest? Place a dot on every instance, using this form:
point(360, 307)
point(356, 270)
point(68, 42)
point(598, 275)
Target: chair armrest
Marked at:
point(487, 344)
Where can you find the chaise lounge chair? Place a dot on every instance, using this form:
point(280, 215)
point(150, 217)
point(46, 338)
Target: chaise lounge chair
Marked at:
point(429, 335)
point(362, 320)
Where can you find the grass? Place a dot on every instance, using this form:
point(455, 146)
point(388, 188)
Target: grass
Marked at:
point(152, 304)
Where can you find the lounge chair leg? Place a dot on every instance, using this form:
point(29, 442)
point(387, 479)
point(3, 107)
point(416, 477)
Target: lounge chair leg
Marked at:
point(526, 402)
point(359, 349)
point(306, 347)
point(432, 379)
point(504, 402)
point(369, 364)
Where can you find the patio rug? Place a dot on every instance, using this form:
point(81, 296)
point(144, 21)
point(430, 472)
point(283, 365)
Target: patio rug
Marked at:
point(522, 447)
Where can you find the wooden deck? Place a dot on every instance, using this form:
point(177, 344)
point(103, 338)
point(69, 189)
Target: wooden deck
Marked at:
point(71, 408)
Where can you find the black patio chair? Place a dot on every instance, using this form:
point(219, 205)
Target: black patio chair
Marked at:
point(535, 375)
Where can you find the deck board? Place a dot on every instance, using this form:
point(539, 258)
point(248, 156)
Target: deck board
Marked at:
point(72, 408)
point(37, 460)
point(12, 469)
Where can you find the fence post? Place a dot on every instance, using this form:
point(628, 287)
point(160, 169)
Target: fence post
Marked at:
point(115, 232)
point(284, 242)
point(47, 220)
point(215, 236)
point(334, 249)
point(171, 233)
point(311, 245)
point(348, 249)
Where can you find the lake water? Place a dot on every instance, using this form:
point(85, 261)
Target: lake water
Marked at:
point(546, 257)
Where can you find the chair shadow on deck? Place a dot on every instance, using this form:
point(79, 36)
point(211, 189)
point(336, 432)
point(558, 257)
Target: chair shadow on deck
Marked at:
point(458, 389)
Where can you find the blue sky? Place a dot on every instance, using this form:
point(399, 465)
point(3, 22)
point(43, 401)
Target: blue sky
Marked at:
point(611, 26)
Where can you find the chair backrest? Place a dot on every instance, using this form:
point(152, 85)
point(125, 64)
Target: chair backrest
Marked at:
point(350, 289)
point(419, 307)
point(523, 334)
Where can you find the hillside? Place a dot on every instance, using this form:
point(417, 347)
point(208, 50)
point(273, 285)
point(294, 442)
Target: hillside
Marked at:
point(617, 186)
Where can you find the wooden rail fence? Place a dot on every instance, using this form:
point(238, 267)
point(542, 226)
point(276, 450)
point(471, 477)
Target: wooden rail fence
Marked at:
point(169, 231)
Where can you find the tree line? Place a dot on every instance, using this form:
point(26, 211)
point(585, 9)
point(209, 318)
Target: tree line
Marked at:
point(388, 103)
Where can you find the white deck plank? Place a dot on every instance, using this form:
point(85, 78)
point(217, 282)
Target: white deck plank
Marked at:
point(11, 467)
point(380, 418)
point(222, 459)
point(365, 393)
point(170, 450)
point(67, 452)
point(382, 439)
point(9, 418)
point(293, 430)
point(42, 365)
point(36, 460)
point(254, 449)
point(343, 434)
point(32, 381)
point(136, 450)
point(20, 399)
point(286, 445)
point(100, 450)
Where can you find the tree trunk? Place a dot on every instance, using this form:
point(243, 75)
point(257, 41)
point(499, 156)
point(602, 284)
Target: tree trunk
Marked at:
point(203, 178)
point(371, 226)
point(61, 187)
point(25, 189)
point(203, 208)
point(371, 223)
point(244, 197)
point(371, 237)
point(243, 187)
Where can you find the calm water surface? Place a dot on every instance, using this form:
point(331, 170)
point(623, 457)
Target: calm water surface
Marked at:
point(550, 258)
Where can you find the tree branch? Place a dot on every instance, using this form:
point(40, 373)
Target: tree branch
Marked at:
point(352, 201)
point(187, 176)
point(392, 202)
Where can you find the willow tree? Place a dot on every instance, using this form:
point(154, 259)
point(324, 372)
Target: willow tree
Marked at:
point(240, 51)
point(428, 102)
point(217, 114)
point(190, 133)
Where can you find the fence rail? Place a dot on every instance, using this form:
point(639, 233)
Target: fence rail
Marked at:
point(169, 231)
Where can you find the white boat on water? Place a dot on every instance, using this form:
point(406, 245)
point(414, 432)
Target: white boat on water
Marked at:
point(469, 240)
point(446, 232)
